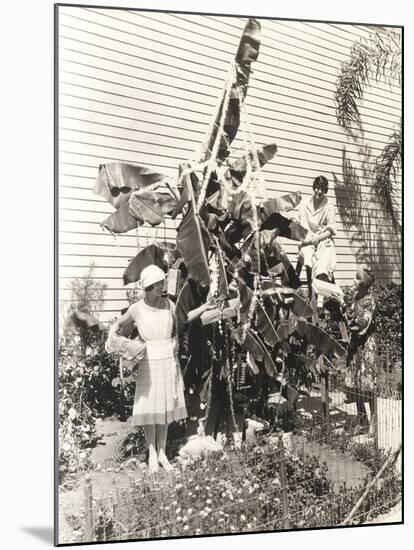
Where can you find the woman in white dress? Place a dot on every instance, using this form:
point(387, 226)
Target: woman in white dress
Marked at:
point(159, 392)
point(317, 252)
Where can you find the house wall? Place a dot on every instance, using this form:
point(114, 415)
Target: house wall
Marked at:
point(142, 87)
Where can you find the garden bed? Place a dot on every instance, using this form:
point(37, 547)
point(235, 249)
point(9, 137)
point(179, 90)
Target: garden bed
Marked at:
point(236, 492)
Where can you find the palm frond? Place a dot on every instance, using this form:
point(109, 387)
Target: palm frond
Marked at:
point(372, 59)
point(387, 166)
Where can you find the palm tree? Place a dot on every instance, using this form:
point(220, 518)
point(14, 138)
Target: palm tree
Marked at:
point(373, 59)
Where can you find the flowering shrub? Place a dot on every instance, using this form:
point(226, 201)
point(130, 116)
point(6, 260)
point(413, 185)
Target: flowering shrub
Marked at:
point(76, 418)
point(88, 389)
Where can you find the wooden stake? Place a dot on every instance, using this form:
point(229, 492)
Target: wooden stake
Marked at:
point(392, 458)
point(284, 483)
point(88, 535)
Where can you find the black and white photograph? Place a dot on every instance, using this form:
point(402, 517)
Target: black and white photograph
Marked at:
point(229, 274)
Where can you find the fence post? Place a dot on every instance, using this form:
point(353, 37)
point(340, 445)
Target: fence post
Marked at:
point(325, 390)
point(88, 535)
point(283, 482)
point(374, 414)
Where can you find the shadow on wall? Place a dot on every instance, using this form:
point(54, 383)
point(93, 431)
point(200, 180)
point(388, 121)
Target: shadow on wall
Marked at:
point(374, 236)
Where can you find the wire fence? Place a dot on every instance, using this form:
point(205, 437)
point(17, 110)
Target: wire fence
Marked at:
point(336, 462)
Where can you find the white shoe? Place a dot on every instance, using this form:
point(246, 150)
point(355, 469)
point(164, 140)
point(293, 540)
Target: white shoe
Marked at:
point(153, 465)
point(165, 463)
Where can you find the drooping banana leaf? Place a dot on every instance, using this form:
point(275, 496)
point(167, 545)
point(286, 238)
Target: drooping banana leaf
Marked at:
point(323, 342)
point(247, 52)
point(116, 180)
point(87, 321)
point(300, 307)
point(152, 254)
point(258, 350)
point(223, 286)
point(263, 324)
point(241, 212)
point(151, 206)
point(193, 242)
point(264, 154)
point(121, 220)
point(260, 353)
point(285, 203)
point(291, 229)
point(302, 361)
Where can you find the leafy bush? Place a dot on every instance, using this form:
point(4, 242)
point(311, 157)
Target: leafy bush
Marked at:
point(89, 388)
point(388, 299)
point(76, 418)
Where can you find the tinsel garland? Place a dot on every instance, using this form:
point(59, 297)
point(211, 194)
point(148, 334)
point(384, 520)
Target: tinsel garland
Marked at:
point(212, 163)
point(228, 370)
point(176, 356)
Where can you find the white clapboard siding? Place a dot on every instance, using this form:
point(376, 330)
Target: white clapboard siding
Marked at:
point(142, 87)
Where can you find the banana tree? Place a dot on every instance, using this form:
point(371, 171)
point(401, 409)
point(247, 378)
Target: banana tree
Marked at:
point(229, 240)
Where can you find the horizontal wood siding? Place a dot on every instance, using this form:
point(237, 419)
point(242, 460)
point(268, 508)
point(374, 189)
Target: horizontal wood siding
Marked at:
point(142, 87)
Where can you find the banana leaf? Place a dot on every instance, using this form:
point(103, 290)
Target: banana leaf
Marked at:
point(223, 285)
point(263, 323)
point(116, 180)
point(189, 181)
point(87, 321)
point(247, 52)
point(258, 350)
point(265, 153)
point(291, 229)
point(275, 255)
point(300, 307)
point(249, 44)
point(241, 212)
point(121, 220)
point(285, 203)
point(302, 361)
point(151, 206)
point(192, 242)
point(265, 326)
point(152, 254)
point(323, 342)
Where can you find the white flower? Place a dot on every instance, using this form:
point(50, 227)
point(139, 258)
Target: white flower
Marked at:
point(178, 510)
point(189, 511)
point(208, 501)
point(185, 528)
point(243, 517)
point(198, 531)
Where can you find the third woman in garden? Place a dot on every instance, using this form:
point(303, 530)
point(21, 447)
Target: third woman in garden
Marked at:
point(362, 358)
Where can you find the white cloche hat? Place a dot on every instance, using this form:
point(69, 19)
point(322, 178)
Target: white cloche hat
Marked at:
point(150, 275)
